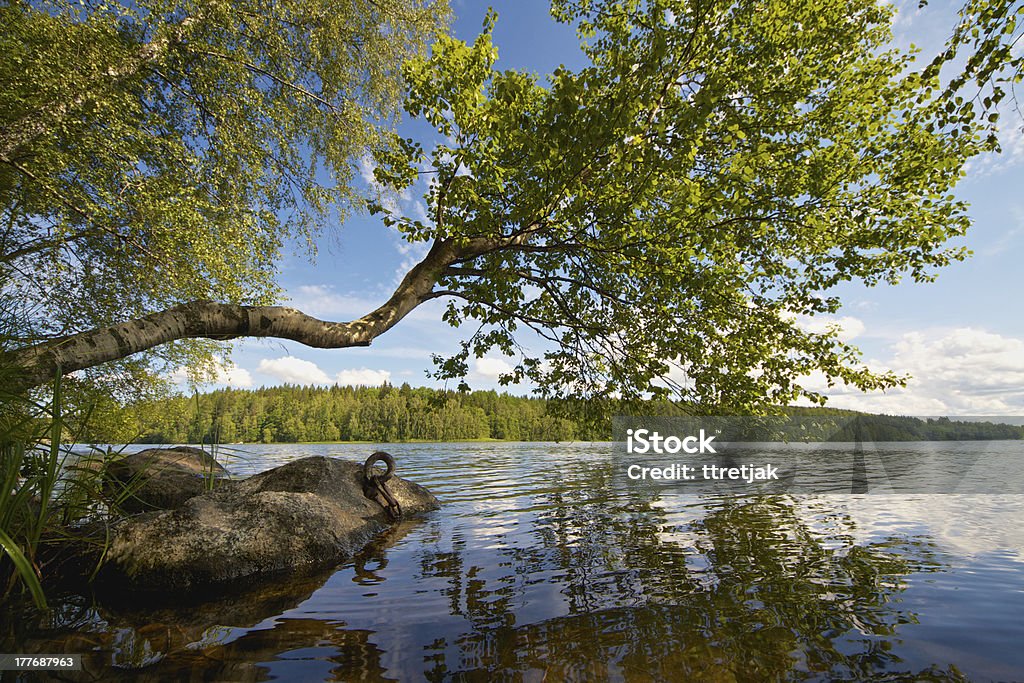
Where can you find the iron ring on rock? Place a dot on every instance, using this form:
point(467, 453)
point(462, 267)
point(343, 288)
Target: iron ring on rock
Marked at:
point(374, 485)
point(379, 456)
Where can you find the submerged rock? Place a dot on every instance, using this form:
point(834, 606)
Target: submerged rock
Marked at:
point(309, 512)
point(163, 478)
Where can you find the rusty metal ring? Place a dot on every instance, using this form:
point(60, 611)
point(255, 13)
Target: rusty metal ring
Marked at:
point(379, 456)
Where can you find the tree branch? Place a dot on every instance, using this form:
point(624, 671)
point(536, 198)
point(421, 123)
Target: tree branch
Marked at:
point(277, 79)
point(220, 321)
point(212, 320)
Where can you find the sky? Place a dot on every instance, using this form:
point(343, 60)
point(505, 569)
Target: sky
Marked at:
point(961, 338)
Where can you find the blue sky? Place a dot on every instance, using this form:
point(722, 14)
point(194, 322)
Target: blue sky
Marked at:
point(961, 337)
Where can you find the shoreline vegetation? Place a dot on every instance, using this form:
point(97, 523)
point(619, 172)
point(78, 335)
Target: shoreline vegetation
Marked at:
point(44, 525)
point(291, 414)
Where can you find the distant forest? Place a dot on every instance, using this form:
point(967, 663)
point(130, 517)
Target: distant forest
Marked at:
point(289, 414)
point(832, 425)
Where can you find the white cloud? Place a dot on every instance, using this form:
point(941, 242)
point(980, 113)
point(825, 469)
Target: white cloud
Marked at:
point(363, 376)
point(385, 196)
point(849, 327)
point(293, 370)
point(383, 351)
point(399, 203)
point(964, 371)
point(490, 367)
point(324, 302)
point(230, 375)
point(234, 376)
point(179, 376)
point(413, 254)
point(366, 168)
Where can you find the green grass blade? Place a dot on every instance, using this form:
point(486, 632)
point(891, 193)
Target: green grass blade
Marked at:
point(24, 569)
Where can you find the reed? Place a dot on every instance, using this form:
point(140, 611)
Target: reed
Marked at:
point(30, 467)
point(54, 496)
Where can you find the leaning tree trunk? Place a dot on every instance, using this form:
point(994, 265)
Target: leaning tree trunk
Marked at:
point(211, 320)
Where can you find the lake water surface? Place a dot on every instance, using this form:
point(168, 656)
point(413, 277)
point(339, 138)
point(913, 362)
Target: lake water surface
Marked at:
point(546, 563)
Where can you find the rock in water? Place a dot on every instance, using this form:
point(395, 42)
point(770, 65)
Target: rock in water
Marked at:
point(309, 512)
point(163, 478)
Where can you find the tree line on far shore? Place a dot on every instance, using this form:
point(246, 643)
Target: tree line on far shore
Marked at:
point(288, 414)
point(291, 414)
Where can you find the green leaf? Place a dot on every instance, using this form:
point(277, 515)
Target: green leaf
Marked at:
point(24, 569)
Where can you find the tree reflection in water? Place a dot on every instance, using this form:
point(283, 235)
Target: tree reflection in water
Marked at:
point(574, 581)
point(746, 592)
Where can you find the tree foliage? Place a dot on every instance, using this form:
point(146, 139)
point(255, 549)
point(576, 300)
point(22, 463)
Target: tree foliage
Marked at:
point(667, 212)
point(661, 218)
point(163, 151)
point(985, 51)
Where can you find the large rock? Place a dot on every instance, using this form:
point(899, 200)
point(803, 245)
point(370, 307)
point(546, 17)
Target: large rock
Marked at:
point(169, 639)
point(163, 478)
point(306, 513)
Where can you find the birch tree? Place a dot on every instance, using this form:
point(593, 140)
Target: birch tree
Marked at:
point(661, 217)
point(163, 151)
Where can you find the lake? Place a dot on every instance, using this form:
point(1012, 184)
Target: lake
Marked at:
point(545, 563)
